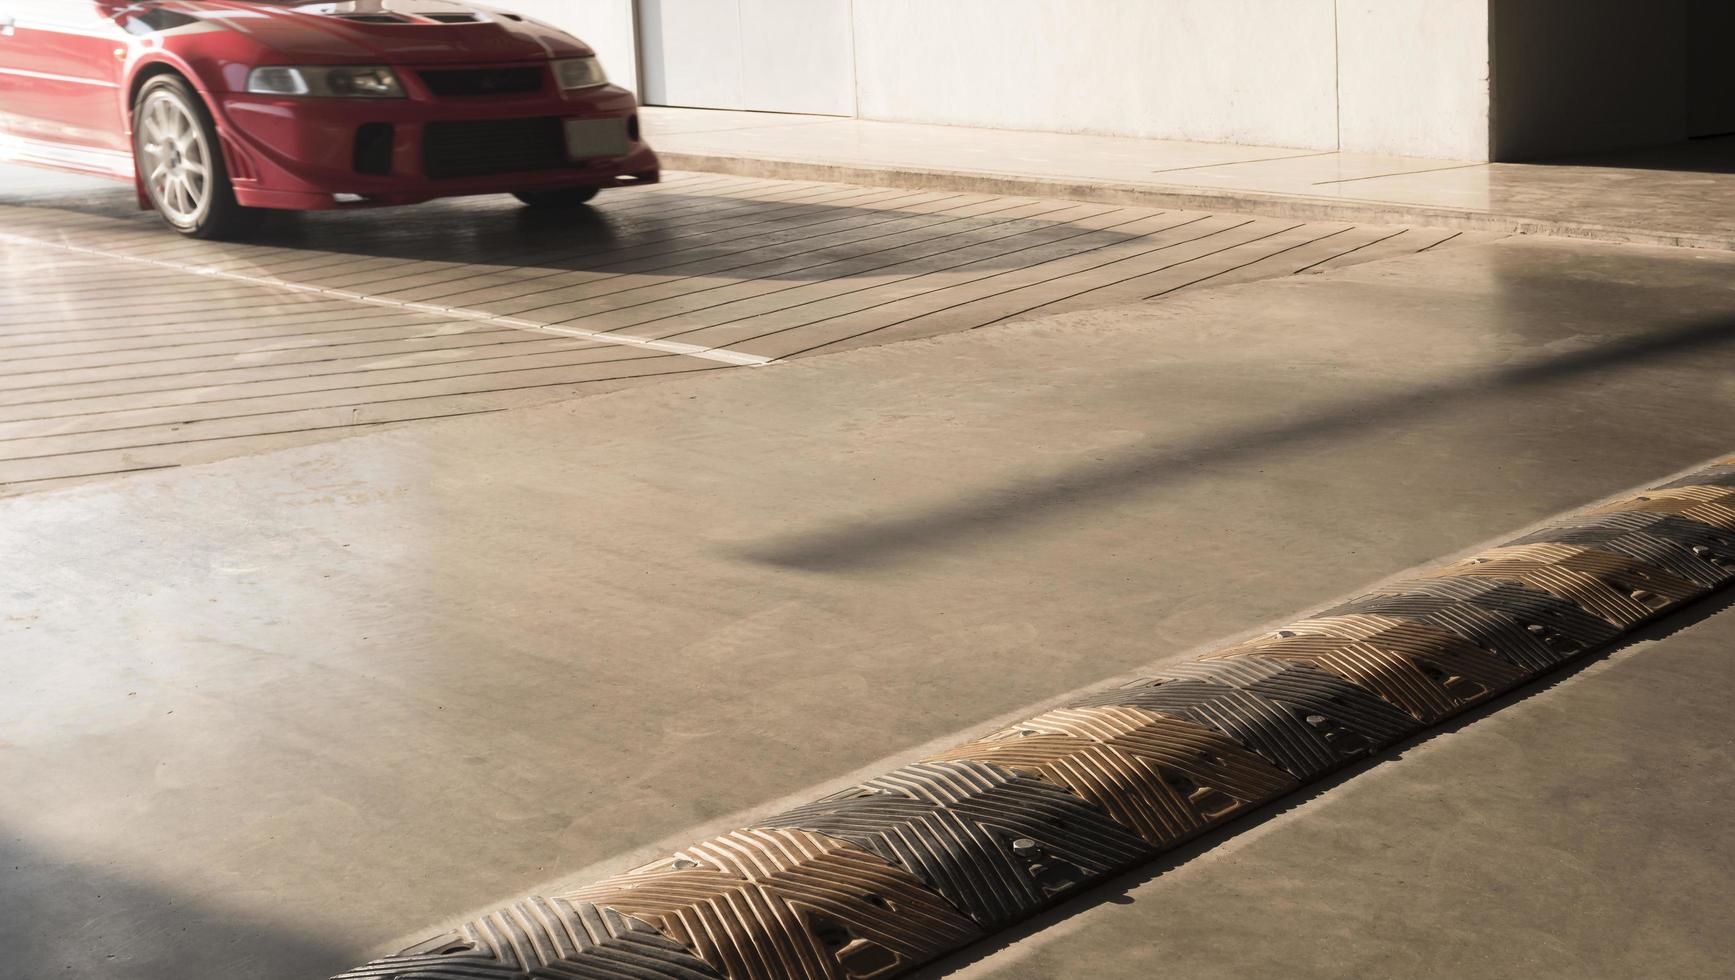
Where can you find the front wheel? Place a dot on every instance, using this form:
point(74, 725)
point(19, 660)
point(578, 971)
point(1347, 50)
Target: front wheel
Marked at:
point(566, 197)
point(180, 162)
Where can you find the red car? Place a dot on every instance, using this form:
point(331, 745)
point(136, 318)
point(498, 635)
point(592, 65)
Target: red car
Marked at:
point(217, 109)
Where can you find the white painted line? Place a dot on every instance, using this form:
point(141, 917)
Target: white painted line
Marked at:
point(721, 354)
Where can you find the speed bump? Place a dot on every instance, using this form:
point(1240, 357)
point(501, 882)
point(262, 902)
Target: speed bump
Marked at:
point(530, 938)
point(996, 843)
point(901, 869)
point(784, 903)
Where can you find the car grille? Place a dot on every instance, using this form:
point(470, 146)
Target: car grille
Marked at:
point(460, 82)
point(493, 146)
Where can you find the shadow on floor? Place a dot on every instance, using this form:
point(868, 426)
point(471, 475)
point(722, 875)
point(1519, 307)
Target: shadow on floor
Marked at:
point(1707, 155)
point(76, 920)
point(770, 231)
point(865, 544)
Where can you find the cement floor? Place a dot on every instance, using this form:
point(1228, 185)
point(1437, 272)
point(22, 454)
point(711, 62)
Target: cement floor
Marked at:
point(1682, 194)
point(268, 716)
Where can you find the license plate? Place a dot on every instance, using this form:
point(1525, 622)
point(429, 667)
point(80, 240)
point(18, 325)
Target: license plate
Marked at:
point(587, 139)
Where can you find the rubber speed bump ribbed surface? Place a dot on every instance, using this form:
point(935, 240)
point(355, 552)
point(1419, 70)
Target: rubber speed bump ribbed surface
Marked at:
point(906, 867)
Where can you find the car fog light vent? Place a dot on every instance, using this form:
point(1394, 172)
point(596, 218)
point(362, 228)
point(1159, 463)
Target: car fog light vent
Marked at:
point(373, 148)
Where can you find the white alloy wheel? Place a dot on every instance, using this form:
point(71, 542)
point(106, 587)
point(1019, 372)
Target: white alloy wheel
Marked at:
point(174, 157)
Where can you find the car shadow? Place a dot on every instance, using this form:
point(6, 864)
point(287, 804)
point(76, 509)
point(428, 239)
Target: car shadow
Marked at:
point(721, 227)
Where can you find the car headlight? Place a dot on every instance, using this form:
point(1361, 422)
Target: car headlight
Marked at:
point(577, 73)
point(371, 82)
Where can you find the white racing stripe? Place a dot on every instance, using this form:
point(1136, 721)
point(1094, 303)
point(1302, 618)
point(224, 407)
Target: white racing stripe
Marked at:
point(720, 354)
point(47, 77)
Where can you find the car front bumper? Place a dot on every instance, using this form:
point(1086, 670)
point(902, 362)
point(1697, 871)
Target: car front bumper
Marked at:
point(303, 154)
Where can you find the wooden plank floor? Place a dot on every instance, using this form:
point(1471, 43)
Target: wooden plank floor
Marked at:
point(124, 348)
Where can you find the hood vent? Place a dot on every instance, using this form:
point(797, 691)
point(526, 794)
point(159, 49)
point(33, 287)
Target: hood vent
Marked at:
point(390, 18)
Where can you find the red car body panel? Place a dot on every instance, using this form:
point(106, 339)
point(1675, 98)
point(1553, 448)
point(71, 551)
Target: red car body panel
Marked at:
point(69, 70)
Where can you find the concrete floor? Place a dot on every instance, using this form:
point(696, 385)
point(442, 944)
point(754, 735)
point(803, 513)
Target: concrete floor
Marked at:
point(139, 351)
point(1675, 195)
point(278, 713)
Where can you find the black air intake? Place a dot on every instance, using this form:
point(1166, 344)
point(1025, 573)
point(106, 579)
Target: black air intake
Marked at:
point(373, 148)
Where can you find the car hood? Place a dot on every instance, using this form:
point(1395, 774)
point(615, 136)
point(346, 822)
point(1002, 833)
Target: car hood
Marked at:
point(366, 31)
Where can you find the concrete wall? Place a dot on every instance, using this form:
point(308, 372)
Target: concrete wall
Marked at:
point(1710, 67)
point(765, 55)
point(1278, 72)
point(1378, 76)
point(1574, 76)
point(1463, 79)
point(1413, 77)
point(1244, 71)
point(606, 25)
